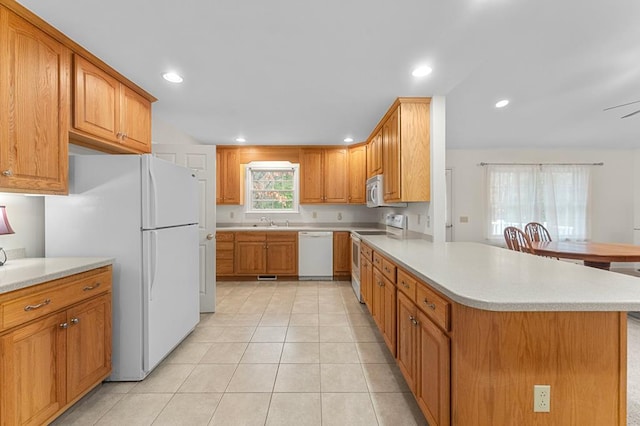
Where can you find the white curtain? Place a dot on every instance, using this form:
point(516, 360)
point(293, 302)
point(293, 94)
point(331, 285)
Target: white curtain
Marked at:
point(555, 195)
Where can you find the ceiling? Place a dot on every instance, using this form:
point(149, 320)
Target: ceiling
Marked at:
point(302, 72)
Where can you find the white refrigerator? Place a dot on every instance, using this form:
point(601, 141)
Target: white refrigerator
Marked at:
point(142, 211)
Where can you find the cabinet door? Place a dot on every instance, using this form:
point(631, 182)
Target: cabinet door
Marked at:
point(34, 108)
point(311, 179)
point(341, 253)
point(251, 257)
point(366, 282)
point(136, 121)
point(389, 320)
point(224, 253)
point(88, 345)
point(282, 258)
point(357, 174)
point(391, 157)
point(374, 155)
point(228, 177)
point(96, 101)
point(336, 175)
point(433, 384)
point(33, 375)
point(407, 348)
point(378, 299)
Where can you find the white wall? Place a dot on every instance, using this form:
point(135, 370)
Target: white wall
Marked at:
point(636, 189)
point(26, 216)
point(162, 132)
point(324, 214)
point(612, 188)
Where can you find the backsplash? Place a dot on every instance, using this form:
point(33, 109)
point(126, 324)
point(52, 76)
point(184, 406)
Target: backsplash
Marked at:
point(309, 214)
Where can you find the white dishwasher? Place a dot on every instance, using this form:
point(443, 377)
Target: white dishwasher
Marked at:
point(315, 255)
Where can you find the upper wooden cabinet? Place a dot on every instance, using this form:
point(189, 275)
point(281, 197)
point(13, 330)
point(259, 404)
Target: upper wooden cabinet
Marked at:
point(404, 135)
point(107, 114)
point(357, 174)
point(228, 176)
point(324, 175)
point(374, 155)
point(34, 108)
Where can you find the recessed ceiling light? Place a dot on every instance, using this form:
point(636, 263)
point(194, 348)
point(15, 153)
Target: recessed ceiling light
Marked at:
point(240, 139)
point(348, 140)
point(421, 71)
point(172, 77)
point(503, 103)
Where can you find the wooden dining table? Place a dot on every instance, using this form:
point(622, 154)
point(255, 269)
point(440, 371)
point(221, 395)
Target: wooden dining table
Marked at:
point(597, 255)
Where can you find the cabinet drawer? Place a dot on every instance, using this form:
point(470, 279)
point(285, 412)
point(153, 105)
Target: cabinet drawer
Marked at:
point(224, 266)
point(224, 236)
point(251, 236)
point(366, 251)
point(407, 284)
point(389, 270)
point(224, 246)
point(377, 260)
point(224, 254)
point(282, 236)
point(23, 309)
point(433, 305)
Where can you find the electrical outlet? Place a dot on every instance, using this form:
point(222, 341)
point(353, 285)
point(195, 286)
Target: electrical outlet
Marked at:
point(231, 214)
point(428, 221)
point(541, 398)
point(419, 219)
point(339, 216)
point(314, 215)
point(464, 219)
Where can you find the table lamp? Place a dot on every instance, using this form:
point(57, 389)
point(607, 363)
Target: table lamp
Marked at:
point(5, 229)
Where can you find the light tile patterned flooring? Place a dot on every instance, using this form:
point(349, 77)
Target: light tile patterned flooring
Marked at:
point(274, 353)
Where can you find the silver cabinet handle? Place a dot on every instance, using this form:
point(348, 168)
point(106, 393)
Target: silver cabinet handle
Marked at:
point(119, 135)
point(39, 305)
point(210, 237)
point(429, 304)
point(74, 320)
point(413, 320)
point(91, 287)
point(7, 173)
point(64, 325)
point(405, 285)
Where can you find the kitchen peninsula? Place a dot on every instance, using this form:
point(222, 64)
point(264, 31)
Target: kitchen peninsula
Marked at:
point(498, 322)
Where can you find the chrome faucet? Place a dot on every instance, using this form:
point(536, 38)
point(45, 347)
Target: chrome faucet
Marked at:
point(267, 220)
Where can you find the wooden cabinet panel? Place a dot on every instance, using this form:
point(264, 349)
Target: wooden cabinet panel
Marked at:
point(225, 248)
point(311, 176)
point(366, 281)
point(407, 349)
point(366, 251)
point(433, 386)
point(377, 299)
point(341, 253)
point(391, 158)
point(374, 155)
point(88, 345)
point(407, 284)
point(389, 318)
point(34, 108)
point(436, 307)
point(228, 179)
point(33, 370)
point(282, 257)
point(336, 175)
point(108, 115)
point(250, 257)
point(357, 174)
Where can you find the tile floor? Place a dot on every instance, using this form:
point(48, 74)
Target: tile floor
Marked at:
point(274, 353)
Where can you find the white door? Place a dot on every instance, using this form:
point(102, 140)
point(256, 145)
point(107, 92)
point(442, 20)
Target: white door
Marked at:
point(202, 160)
point(448, 206)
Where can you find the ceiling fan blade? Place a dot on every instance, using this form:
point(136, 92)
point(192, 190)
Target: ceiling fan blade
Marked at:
point(629, 115)
point(621, 105)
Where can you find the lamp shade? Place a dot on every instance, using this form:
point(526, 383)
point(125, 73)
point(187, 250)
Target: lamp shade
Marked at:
point(5, 227)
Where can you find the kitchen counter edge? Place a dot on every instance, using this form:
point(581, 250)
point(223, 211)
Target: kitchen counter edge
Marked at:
point(21, 273)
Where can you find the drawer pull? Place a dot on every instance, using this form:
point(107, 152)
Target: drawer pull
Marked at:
point(39, 305)
point(91, 287)
point(405, 285)
point(413, 320)
point(64, 325)
point(74, 320)
point(380, 284)
point(429, 304)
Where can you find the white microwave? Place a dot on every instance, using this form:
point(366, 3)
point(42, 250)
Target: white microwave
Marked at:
point(375, 193)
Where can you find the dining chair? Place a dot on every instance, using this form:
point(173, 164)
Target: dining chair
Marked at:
point(537, 232)
point(517, 240)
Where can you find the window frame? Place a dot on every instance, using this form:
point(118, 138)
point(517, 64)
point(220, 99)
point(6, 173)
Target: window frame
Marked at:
point(271, 166)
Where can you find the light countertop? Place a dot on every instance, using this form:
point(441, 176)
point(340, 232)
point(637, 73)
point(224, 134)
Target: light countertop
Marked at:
point(492, 278)
point(21, 273)
point(296, 227)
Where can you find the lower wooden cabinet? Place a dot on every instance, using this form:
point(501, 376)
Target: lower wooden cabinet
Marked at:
point(341, 253)
point(56, 349)
point(225, 249)
point(366, 281)
point(270, 253)
point(407, 343)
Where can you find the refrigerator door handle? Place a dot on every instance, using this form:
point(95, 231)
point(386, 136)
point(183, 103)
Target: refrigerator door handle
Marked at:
point(154, 262)
point(154, 196)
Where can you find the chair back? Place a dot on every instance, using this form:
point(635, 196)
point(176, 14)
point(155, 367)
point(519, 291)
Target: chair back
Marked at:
point(517, 240)
point(537, 232)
